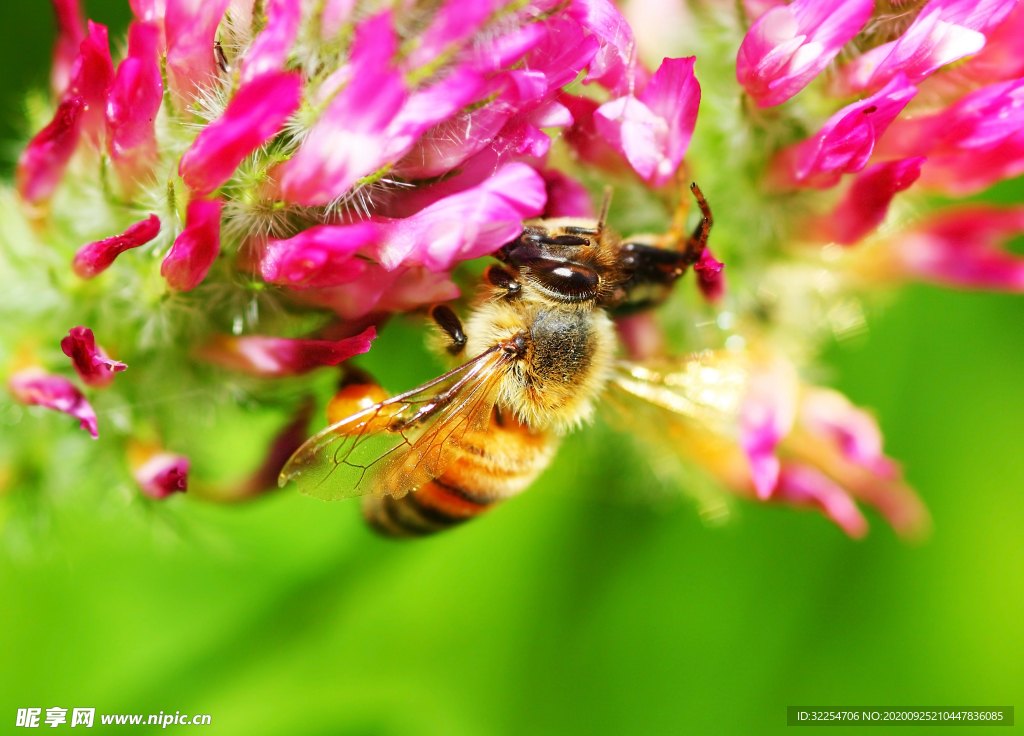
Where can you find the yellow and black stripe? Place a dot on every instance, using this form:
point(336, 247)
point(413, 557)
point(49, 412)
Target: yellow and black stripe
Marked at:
point(490, 466)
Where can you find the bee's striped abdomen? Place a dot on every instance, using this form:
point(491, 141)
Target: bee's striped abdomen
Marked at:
point(490, 466)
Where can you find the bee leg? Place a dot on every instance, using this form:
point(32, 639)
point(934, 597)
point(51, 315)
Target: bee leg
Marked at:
point(499, 278)
point(448, 321)
point(697, 242)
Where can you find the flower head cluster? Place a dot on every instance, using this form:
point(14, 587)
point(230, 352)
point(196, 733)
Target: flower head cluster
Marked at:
point(254, 186)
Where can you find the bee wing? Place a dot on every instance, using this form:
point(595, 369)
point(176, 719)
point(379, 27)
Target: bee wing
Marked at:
point(396, 446)
point(701, 388)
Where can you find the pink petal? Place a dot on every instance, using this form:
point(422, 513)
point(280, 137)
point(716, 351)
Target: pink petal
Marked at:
point(566, 197)
point(426, 108)
point(70, 34)
point(196, 247)
point(149, 11)
point(335, 14)
point(162, 474)
point(654, 130)
point(754, 9)
point(453, 23)
point(615, 66)
point(458, 139)
point(318, 257)
point(91, 78)
point(36, 387)
point(710, 279)
point(563, 52)
point(379, 290)
point(866, 203)
point(255, 114)
point(133, 103)
point(278, 356)
point(190, 27)
point(466, 225)
point(830, 416)
point(943, 32)
point(348, 141)
point(495, 54)
point(960, 247)
point(583, 136)
point(42, 163)
point(766, 416)
point(269, 51)
point(801, 485)
point(970, 171)
point(94, 258)
point(90, 362)
point(979, 121)
point(846, 141)
point(790, 45)
point(1003, 55)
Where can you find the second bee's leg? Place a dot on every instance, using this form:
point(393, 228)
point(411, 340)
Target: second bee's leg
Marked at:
point(699, 240)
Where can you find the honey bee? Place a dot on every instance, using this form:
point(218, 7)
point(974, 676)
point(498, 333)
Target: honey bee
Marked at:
point(542, 346)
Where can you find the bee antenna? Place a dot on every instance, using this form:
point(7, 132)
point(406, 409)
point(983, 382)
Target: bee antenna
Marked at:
point(606, 202)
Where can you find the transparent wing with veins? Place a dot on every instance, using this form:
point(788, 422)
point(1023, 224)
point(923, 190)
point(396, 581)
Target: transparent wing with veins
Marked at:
point(398, 445)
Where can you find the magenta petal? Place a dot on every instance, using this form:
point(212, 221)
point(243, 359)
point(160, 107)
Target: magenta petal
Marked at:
point(190, 27)
point(653, 131)
point(255, 115)
point(960, 247)
point(766, 416)
point(318, 257)
point(95, 258)
point(90, 361)
point(279, 356)
point(466, 225)
point(43, 161)
point(162, 474)
point(91, 77)
point(36, 387)
point(845, 143)
point(790, 45)
point(348, 142)
point(70, 34)
point(566, 196)
point(196, 247)
point(804, 486)
point(866, 203)
point(710, 279)
point(269, 51)
point(133, 103)
point(943, 32)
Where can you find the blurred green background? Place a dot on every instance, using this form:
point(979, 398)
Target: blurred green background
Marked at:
point(575, 609)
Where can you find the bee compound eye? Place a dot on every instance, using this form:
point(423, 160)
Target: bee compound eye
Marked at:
point(569, 281)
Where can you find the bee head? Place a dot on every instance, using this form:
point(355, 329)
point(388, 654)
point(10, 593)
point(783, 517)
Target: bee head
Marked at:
point(566, 259)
